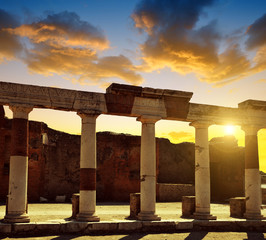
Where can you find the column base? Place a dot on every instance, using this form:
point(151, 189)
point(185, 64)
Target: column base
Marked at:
point(204, 216)
point(17, 218)
point(253, 216)
point(148, 216)
point(86, 217)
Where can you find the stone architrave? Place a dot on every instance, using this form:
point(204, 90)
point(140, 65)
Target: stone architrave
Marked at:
point(252, 173)
point(202, 171)
point(148, 169)
point(18, 176)
point(87, 199)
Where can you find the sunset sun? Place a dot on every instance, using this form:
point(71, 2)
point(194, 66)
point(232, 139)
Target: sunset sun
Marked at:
point(229, 130)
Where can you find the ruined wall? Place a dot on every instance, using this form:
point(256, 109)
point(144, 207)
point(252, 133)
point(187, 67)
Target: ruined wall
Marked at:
point(5, 142)
point(118, 161)
point(176, 162)
point(227, 165)
point(54, 167)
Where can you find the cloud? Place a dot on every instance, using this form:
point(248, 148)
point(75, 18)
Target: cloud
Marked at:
point(10, 45)
point(175, 40)
point(63, 29)
point(181, 136)
point(263, 80)
point(257, 33)
point(63, 44)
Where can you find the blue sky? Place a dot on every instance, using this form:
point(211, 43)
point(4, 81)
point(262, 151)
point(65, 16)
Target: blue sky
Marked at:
point(215, 49)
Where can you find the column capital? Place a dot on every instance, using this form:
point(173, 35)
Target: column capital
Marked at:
point(251, 129)
point(148, 118)
point(89, 115)
point(20, 110)
point(201, 124)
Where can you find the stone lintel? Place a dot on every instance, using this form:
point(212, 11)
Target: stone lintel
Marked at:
point(253, 104)
point(215, 114)
point(119, 89)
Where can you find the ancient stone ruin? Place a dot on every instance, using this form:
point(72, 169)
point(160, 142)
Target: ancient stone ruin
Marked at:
point(148, 106)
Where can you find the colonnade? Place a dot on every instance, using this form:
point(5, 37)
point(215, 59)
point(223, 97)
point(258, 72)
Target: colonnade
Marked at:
point(17, 196)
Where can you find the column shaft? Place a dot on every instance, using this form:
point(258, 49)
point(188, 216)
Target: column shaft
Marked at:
point(202, 171)
point(18, 175)
point(148, 170)
point(87, 202)
point(252, 174)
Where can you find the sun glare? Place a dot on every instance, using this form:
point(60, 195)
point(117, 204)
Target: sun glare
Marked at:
point(229, 130)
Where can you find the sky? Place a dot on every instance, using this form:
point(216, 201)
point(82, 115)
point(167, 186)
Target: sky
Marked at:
point(215, 49)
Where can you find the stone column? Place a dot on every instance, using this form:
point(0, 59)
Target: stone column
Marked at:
point(148, 169)
point(252, 174)
point(87, 200)
point(202, 171)
point(18, 175)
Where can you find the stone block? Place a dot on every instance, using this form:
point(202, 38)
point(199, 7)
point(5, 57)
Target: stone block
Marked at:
point(237, 207)
point(24, 227)
point(188, 206)
point(103, 227)
point(129, 226)
point(184, 225)
point(60, 199)
point(75, 205)
point(134, 205)
point(159, 226)
point(5, 228)
point(263, 195)
point(46, 227)
point(75, 227)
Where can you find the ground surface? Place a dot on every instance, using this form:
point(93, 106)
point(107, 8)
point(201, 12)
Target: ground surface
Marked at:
point(41, 212)
point(175, 236)
point(118, 212)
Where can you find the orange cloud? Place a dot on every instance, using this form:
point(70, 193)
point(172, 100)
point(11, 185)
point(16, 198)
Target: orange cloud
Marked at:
point(63, 29)
point(65, 45)
point(174, 41)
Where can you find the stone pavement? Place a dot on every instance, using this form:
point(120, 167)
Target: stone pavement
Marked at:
point(54, 219)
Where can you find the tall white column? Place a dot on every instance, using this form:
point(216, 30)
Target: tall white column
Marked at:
point(148, 169)
point(18, 175)
point(202, 171)
point(87, 199)
point(252, 173)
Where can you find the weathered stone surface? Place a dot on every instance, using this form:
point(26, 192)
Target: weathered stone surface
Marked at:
point(75, 227)
point(173, 192)
point(253, 104)
point(184, 225)
point(176, 162)
point(188, 206)
point(102, 227)
point(237, 207)
point(134, 205)
point(158, 226)
point(75, 205)
point(24, 227)
point(5, 228)
point(129, 226)
point(214, 114)
point(263, 195)
point(227, 165)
